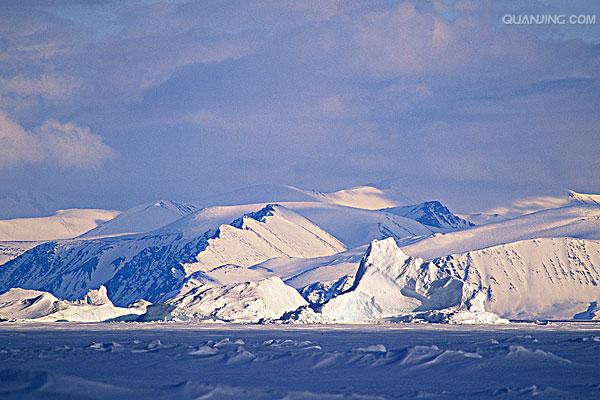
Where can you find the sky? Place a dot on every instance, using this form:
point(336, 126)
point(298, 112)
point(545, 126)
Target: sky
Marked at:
point(114, 103)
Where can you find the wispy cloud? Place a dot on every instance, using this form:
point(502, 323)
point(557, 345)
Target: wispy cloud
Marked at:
point(68, 145)
point(49, 86)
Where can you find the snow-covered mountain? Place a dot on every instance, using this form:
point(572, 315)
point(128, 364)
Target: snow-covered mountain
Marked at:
point(388, 283)
point(308, 261)
point(273, 231)
point(433, 214)
point(574, 220)
point(356, 227)
point(142, 218)
point(531, 279)
point(154, 266)
point(63, 224)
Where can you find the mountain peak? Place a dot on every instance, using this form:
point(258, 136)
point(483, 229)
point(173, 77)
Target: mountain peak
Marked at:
point(260, 215)
point(433, 214)
point(181, 208)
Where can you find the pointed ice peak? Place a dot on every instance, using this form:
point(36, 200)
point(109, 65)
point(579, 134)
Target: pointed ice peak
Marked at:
point(585, 198)
point(383, 254)
point(97, 297)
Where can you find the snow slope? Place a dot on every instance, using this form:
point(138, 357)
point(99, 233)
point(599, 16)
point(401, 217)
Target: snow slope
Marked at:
point(548, 278)
point(142, 218)
point(11, 250)
point(583, 198)
point(62, 225)
point(356, 227)
point(22, 304)
point(576, 221)
point(185, 361)
point(364, 197)
point(154, 266)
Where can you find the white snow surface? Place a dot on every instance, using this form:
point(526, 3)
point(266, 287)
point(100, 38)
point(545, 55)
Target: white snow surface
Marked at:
point(39, 306)
point(388, 283)
point(254, 262)
point(251, 240)
point(246, 302)
point(157, 361)
point(63, 224)
point(154, 265)
point(584, 198)
point(142, 218)
point(547, 278)
point(575, 221)
point(356, 227)
point(364, 197)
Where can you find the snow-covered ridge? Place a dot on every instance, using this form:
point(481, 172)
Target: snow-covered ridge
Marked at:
point(308, 261)
point(583, 198)
point(11, 250)
point(154, 266)
point(270, 232)
point(63, 224)
point(575, 221)
point(142, 218)
point(388, 284)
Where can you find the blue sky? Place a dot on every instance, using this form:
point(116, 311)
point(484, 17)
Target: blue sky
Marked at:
point(110, 104)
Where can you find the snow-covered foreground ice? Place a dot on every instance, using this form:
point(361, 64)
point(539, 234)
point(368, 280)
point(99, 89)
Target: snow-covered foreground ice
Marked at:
point(187, 361)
